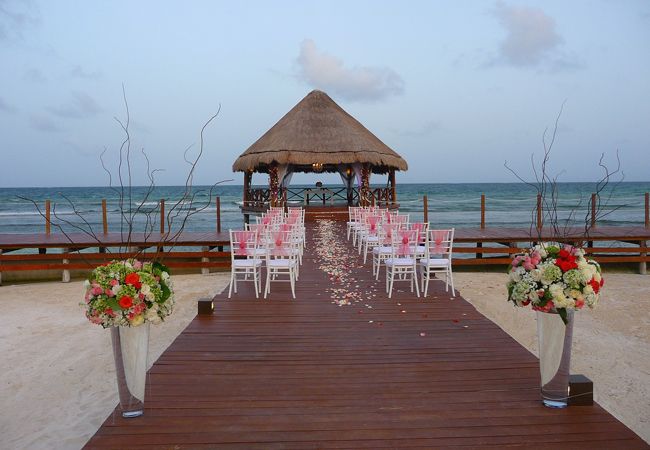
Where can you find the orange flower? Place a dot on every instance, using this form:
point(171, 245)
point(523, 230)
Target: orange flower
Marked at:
point(133, 279)
point(125, 302)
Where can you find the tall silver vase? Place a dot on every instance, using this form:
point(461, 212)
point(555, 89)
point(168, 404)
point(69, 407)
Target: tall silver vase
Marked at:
point(130, 349)
point(554, 339)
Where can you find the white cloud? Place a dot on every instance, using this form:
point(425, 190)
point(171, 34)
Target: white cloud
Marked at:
point(82, 105)
point(42, 123)
point(78, 72)
point(531, 36)
point(34, 75)
point(6, 107)
point(327, 72)
point(15, 17)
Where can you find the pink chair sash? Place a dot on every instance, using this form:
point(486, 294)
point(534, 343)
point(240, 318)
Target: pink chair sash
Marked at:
point(388, 233)
point(405, 239)
point(438, 237)
point(373, 221)
point(280, 246)
point(242, 238)
point(418, 227)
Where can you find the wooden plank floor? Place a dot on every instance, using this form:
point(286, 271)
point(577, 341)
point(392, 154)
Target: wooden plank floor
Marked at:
point(404, 372)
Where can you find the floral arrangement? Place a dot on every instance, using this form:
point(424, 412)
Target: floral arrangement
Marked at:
point(554, 277)
point(128, 293)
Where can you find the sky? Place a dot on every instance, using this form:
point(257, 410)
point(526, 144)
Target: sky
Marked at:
point(456, 87)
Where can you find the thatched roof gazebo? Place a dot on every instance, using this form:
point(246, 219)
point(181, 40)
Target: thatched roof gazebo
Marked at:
point(317, 135)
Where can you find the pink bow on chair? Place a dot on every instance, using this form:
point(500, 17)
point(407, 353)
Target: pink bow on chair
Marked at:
point(404, 248)
point(438, 237)
point(372, 220)
point(418, 227)
point(242, 238)
point(279, 249)
point(266, 221)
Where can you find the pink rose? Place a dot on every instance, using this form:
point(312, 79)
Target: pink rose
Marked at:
point(97, 290)
point(109, 292)
point(528, 264)
point(114, 283)
point(137, 265)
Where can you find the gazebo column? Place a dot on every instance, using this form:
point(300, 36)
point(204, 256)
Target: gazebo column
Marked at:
point(349, 180)
point(248, 176)
point(273, 183)
point(364, 193)
point(393, 191)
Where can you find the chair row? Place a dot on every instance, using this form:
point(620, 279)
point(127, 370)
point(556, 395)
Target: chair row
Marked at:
point(277, 240)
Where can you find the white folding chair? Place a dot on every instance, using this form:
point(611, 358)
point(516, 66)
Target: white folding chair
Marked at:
point(244, 260)
point(423, 230)
point(384, 250)
point(281, 260)
point(401, 266)
point(437, 259)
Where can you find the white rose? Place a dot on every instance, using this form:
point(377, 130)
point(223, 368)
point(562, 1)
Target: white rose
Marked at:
point(115, 289)
point(164, 276)
point(151, 315)
point(536, 275)
point(145, 289)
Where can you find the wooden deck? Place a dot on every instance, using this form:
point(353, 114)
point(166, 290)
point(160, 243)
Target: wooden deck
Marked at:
point(380, 373)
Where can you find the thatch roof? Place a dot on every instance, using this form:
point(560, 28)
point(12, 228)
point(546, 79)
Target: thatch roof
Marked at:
point(317, 130)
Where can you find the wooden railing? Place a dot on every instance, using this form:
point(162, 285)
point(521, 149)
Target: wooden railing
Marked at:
point(261, 198)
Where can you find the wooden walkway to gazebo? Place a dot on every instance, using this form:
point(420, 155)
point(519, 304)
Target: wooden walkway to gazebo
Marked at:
point(404, 372)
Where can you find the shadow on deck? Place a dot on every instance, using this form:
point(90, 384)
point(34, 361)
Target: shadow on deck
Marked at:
point(379, 373)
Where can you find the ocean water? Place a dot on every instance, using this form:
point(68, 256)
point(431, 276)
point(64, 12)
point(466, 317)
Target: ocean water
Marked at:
point(458, 205)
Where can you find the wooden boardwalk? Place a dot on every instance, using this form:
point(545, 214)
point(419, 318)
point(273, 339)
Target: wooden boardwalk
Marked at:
point(404, 372)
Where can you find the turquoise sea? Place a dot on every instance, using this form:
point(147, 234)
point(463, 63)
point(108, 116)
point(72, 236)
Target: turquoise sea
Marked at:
point(458, 205)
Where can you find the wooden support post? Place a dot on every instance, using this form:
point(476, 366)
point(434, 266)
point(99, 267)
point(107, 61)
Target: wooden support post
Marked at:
point(162, 216)
point(425, 205)
point(218, 214)
point(66, 272)
point(393, 190)
point(47, 217)
point(104, 223)
point(593, 210)
point(643, 264)
point(540, 222)
point(205, 270)
point(482, 211)
point(104, 217)
point(647, 209)
point(248, 175)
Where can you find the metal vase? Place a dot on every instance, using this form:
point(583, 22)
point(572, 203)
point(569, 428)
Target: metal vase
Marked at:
point(554, 339)
point(130, 349)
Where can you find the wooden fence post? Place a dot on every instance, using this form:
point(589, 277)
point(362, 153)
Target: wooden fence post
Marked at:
point(47, 217)
point(540, 222)
point(482, 211)
point(104, 217)
point(647, 209)
point(425, 204)
point(593, 210)
point(643, 264)
point(162, 216)
point(66, 272)
point(218, 214)
point(205, 270)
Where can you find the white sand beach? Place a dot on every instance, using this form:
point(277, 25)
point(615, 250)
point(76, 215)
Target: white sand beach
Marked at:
point(58, 381)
